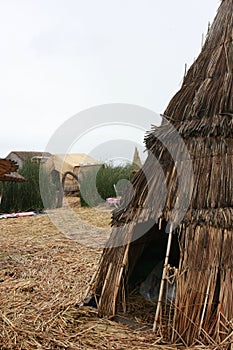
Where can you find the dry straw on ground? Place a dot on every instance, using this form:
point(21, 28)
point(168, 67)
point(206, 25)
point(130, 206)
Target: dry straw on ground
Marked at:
point(43, 278)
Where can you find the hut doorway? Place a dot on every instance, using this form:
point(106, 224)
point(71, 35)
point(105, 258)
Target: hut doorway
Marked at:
point(146, 261)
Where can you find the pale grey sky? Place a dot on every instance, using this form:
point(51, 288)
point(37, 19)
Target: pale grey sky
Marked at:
point(59, 57)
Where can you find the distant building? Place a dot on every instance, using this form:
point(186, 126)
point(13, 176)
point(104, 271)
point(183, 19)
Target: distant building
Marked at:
point(22, 156)
point(69, 168)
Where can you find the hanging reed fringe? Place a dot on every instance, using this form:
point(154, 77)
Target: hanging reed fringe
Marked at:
point(202, 113)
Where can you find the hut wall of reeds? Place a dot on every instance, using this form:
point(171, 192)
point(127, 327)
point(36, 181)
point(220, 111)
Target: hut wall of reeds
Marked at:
point(202, 114)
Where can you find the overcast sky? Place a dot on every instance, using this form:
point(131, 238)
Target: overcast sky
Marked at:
point(59, 57)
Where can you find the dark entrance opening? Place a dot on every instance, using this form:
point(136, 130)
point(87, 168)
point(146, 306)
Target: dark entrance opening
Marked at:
point(148, 251)
point(145, 266)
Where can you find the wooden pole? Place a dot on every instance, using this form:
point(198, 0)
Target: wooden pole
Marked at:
point(159, 305)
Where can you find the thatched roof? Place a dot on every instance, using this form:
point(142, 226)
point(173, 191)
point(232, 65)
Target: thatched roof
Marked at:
point(204, 104)
point(8, 171)
point(136, 158)
point(68, 162)
point(7, 166)
point(29, 155)
point(12, 177)
point(202, 114)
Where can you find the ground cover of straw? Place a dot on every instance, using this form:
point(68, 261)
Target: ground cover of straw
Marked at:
point(43, 275)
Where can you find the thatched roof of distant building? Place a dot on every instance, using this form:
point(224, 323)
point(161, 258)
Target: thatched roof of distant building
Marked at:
point(202, 243)
point(68, 162)
point(20, 157)
point(29, 155)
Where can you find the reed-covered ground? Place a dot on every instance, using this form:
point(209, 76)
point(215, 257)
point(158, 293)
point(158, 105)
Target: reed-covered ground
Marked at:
point(43, 276)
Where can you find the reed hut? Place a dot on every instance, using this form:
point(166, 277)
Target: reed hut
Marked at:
point(198, 251)
point(70, 168)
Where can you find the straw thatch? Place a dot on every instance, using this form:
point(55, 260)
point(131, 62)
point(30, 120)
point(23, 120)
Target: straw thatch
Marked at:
point(8, 171)
point(136, 159)
point(202, 113)
point(7, 166)
point(12, 177)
